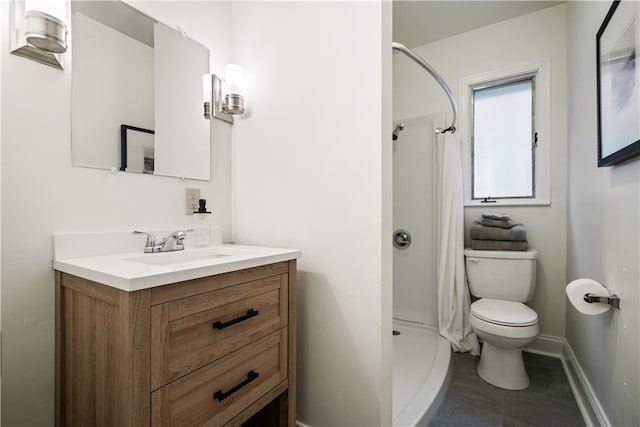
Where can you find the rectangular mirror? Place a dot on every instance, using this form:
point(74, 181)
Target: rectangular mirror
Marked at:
point(131, 72)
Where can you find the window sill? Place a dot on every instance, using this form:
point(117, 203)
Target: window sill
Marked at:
point(508, 202)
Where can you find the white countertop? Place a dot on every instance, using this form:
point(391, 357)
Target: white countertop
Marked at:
point(132, 271)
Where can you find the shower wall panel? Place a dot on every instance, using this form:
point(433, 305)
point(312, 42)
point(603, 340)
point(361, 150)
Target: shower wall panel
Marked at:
point(415, 195)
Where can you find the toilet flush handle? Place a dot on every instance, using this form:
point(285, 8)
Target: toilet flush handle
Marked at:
point(476, 260)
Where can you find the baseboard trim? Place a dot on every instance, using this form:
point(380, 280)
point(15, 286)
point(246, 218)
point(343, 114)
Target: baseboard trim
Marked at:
point(592, 411)
point(588, 403)
point(547, 345)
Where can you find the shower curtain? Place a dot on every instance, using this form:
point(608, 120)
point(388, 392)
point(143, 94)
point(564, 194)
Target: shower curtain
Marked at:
point(453, 294)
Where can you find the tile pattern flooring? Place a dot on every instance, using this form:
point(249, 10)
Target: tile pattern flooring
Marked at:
point(472, 402)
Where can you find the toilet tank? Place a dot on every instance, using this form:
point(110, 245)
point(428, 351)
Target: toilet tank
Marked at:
point(504, 275)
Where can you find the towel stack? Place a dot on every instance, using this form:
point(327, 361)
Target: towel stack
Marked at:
point(496, 232)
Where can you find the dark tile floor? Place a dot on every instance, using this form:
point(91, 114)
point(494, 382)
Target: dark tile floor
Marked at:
point(472, 402)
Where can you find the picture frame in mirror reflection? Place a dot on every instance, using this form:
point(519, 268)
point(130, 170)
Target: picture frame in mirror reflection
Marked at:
point(618, 84)
point(137, 149)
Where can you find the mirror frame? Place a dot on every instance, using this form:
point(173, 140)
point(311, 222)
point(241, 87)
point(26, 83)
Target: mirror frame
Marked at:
point(605, 126)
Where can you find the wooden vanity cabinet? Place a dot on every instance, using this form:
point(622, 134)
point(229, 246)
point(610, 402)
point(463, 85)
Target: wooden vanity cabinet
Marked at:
point(215, 351)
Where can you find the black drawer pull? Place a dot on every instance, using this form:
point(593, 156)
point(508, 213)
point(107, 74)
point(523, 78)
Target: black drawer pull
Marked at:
point(221, 395)
point(250, 313)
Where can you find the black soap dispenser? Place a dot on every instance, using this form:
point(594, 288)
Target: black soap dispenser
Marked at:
point(202, 225)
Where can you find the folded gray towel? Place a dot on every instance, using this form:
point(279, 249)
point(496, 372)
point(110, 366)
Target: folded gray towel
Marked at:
point(517, 233)
point(495, 215)
point(499, 245)
point(497, 223)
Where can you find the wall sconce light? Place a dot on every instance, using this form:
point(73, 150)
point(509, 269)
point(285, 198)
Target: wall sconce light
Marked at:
point(207, 80)
point(38, 30)
point(233, 89)
point(224, 98)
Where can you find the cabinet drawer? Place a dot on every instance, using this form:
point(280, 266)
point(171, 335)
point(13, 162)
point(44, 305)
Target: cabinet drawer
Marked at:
point(191, 332)
point(215, 393)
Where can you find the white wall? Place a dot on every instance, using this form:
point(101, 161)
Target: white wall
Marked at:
point(513, 42)
point(43, 194)
point(603, 235)
point(311, 172)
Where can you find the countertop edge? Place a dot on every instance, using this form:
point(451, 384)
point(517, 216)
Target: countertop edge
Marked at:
point(154, 280)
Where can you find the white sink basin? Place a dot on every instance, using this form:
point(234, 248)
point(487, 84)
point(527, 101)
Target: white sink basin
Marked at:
point(179, 257)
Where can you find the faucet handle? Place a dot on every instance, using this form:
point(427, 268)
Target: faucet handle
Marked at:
point(151, 240)
point(151, 245)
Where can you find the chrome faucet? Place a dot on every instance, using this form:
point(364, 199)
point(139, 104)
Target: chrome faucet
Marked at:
point(172, 242)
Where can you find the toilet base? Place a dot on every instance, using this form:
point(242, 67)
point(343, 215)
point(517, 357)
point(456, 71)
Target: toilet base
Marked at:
point(503, 367)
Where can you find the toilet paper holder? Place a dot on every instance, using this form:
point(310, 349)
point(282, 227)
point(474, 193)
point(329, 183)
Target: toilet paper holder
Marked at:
point(613, 300)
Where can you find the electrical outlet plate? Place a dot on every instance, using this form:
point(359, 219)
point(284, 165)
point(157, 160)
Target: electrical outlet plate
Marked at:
point(192, 196)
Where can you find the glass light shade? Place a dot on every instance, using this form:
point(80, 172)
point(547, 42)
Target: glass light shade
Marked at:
point(55, 8)
point(206, 87)
point(234, 79)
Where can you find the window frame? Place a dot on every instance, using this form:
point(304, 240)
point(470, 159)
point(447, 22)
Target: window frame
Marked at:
point(530, 77)
point(539, 71)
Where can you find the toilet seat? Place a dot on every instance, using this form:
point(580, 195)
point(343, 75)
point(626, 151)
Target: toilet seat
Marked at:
point(504, 313)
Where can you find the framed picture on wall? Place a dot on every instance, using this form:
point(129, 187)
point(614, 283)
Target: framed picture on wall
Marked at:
point(618, 80)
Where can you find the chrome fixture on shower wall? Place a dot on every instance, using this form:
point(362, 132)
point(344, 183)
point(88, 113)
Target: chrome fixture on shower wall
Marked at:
point(39, 31)
point(417, 59)
point(401, 239)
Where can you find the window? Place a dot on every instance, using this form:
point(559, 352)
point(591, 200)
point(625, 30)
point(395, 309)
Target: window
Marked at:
point(504, 126)
point(503, 140)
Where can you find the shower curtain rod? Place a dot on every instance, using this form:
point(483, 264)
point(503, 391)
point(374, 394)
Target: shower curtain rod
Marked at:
point(402, 48)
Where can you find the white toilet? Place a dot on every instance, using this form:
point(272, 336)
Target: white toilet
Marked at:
point(503, 280)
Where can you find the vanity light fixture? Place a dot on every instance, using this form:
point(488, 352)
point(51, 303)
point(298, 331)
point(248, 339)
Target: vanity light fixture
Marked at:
point(227, 94)
point(39, 30)
point(207, 80)
point(233, 89)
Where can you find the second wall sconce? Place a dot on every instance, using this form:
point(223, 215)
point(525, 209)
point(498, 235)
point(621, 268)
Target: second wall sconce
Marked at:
point(39, 31)
point(227, 95)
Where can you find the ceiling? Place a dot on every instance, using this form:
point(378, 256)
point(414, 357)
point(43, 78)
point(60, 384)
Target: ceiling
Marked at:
point(419, 22)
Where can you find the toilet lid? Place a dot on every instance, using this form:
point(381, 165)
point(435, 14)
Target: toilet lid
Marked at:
point(506, 313)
